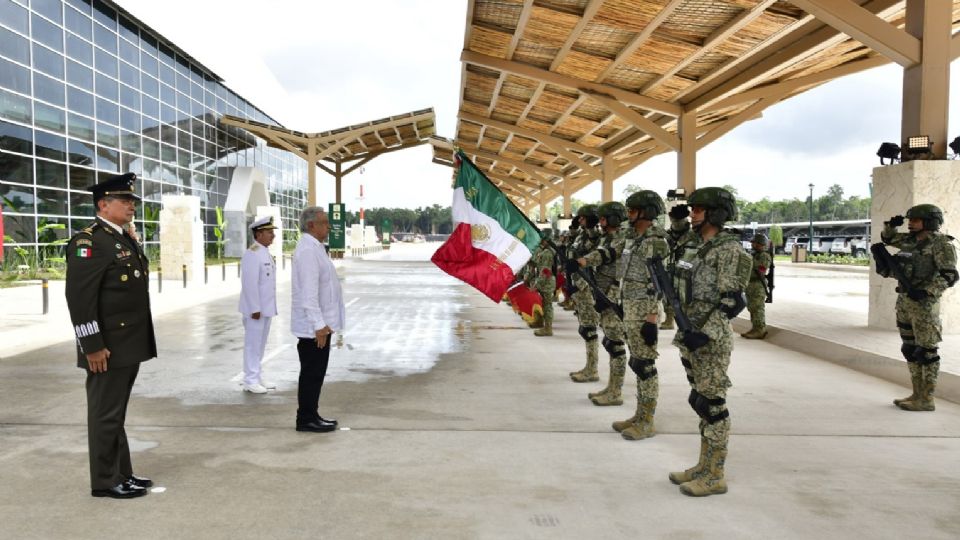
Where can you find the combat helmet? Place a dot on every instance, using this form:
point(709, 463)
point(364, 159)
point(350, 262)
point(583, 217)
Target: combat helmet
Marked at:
point(648, 202)
point(931, 215)
point(760, 238)
point(546, 234)
point(614, 212)
point(720, 204)
point(589, 211)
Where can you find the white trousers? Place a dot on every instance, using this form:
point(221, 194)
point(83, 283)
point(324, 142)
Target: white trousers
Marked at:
point(255, 332)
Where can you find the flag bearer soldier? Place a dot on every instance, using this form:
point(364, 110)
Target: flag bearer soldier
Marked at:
point(109, 302)
point(587, 315)
point(540, 276)
point(757, 288)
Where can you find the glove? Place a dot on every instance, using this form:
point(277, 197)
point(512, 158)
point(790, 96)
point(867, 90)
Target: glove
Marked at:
point(693, 340)
point(649, 333)
point(917, 294)
point(571, 267)
point(895, 221)
point(679, 212)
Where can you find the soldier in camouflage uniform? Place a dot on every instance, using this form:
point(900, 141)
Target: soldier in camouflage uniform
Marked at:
point(569, 240)
point(541, 277)
point(645, 241)
point(679, 236)
point(712, 285)
point(928, 259)
point(587, 315)
point(604, 260)
point(757, 288)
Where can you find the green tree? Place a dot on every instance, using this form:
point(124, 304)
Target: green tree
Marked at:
point(776, 236)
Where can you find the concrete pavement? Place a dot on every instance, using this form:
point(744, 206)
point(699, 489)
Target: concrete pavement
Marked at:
point(460, 423)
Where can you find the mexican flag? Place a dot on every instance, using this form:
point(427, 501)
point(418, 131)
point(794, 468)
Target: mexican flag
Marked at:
point(492, 239)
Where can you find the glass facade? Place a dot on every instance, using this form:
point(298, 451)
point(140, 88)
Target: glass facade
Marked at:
point(86, 92)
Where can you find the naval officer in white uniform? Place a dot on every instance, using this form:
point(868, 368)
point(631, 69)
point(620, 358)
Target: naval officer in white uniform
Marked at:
point(258, 302)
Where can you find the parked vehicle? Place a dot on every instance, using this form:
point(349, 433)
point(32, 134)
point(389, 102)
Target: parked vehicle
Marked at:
point(820, 244)
point(849, 246)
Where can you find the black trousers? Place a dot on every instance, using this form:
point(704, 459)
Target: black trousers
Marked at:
point(313, 369)
point(107, 396)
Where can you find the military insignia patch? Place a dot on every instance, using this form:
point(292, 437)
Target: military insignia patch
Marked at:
point(479, 233)
point(124, 277)
point(84, 252)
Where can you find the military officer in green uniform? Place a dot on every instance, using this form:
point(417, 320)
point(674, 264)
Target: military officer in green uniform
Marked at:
point(928, 259)
point(109, 302)
point(587, 316)
point(713, 281)
point(641, 307)
point(604, 260)
point(757, 288)
point(541, 277)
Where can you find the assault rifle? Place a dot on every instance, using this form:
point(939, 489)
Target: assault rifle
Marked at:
point(770, 272)
point(572, 267)
point(692, 338)
point(887, 266)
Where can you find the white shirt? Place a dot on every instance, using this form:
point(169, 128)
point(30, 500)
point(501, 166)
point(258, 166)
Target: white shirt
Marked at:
point(258, 282)
point(317, 298)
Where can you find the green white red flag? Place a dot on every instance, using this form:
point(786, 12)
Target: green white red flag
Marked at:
point(491, 239)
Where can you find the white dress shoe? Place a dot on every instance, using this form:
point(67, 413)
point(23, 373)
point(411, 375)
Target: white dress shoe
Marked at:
point(268, 385)
point(254, 388)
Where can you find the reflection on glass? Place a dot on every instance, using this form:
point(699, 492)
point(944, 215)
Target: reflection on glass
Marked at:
point(51, 174)
point(49, 117)
point(14, 168)
point(81, 178)
point(16, 138)
point(51, 202)
point(80, 127)
point(51, 146)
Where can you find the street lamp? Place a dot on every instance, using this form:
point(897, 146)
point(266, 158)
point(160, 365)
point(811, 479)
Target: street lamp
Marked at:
point(810, 207)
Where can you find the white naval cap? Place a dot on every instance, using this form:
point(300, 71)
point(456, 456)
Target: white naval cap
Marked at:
point(263, 224)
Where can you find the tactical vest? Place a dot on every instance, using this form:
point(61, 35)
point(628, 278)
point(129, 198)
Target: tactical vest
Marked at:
point(632, 266)
point(689, 270)
point(606, 274)
point(917, 260)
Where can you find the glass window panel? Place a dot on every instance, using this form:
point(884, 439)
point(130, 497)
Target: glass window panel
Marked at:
point(129, 29)
point(15, 77)
point(49, 90)
point(81, 178)
point(50, 9)
point(82, 5)
point(22, 199)
point(151, 169)
point(130, 120)
point(168, 134)
point(167, 74)
point(166, 54)
point(81, 153)
point(184, 158)
point(131, 163)
point(130, 142)
point(78, 23)
point(80, 101)
point(15, 16)
point(14, 107)
point(81, 205)
point(50, 201)
point(46, 32)
point(79, 49)
point(150, 86)
point(51, 146)
point(49, 117)
point(104, 14)
point(14, 46)
point(108, 135)
point(183, 83)
point(14, 168)
point(105, 38)
point(129, 52)
point(148, 43)
point(108, 112)
point(79, 75)
point(16, 138)
point(151, 126)
point(168, 95)
point(168, 154)
point(151, 190)
point(107, 159)
point(47, 61)
point(51, 174)
point(168, 114)
point(107, 88)
point(148, 64)
point(129, 75)
point(80, 126)
point(129, 97)
point(151, 148)
point(105, 62)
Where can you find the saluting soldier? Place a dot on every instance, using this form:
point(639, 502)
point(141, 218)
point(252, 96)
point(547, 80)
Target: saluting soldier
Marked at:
point(109, 302)
point(258, 302)
point(757, 288)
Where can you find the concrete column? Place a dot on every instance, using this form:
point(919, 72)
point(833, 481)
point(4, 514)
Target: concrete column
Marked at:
point(926, 86)
point(895, 189)
point(609, 175)
point(339, 180)
point(687, 156)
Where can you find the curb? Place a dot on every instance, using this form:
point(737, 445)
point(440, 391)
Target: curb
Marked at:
point(883, 367)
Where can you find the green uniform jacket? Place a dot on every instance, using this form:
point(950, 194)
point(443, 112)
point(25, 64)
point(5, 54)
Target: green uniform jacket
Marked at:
point(930, 265)
point(108, 297)
point(761, 263)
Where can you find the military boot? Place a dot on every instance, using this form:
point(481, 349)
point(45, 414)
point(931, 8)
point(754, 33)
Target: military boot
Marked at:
point(755, 333)
point(915, 381)
point(589, 372)
point(643, 427)
point(547, 330)
point(612, 395)
point(710, 481)
point(621, 425)
point(927, 385)
point(538, 323)
point(693, 472)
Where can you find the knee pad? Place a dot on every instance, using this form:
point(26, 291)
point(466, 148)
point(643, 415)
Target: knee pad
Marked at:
point(588, 333)
point(692, 400)
point(648, 331)
point(640, 365)
point(907, 351)
point(702, 407)
point(606, 343)
point(614, 347)
point(925, 356)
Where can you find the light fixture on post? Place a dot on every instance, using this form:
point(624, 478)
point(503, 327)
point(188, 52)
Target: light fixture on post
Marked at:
point(955, 146)
point(889, 150)
point(918, 146)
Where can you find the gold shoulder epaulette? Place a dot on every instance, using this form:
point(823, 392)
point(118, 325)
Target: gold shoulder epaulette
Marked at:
point(255, 246)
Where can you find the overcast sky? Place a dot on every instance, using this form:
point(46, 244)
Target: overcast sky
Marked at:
point(315, 66)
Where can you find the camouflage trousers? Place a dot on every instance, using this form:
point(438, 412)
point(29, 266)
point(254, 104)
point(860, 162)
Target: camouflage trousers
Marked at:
point(615, 338)
point(547, 288)
point(707, 374)
point(756, 304)
point(589, 319)
point(634, 315)
point(919, 321)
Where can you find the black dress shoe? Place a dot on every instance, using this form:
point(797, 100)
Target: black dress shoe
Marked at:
point(140, 482)
point(322, 420)
point(126, 490)
point(316, 427)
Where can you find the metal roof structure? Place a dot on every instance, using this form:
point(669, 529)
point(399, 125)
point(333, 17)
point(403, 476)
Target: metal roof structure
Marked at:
point(558, 94)
point(351, 145)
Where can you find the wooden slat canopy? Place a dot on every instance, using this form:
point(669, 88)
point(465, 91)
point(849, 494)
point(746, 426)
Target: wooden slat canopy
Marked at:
point(557, 94)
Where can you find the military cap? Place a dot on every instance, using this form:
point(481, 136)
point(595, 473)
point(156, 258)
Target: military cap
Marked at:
point(118, 185)
point(263, 224)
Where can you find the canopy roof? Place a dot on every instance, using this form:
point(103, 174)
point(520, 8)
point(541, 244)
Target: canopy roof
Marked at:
point(552, 89)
